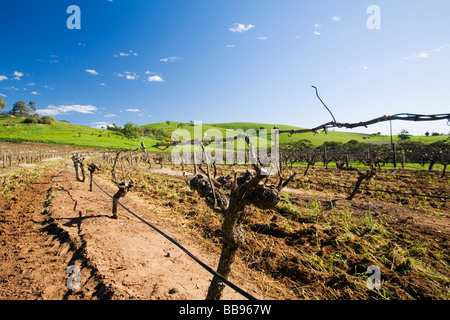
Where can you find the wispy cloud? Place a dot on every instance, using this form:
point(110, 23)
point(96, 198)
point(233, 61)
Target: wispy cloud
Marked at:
point(133, 110)
point(126, 54)
point(17, 75)
point(99, 125)
point(317, 33)
point(154, 77)
point(2, 77)
point(3, 95)
point(110, 115)
point(422, 55)
point(35, 93)
point(93, 72)
point(336, 19)
point(81, 44)
point(128, 75)
point(171, 59)
point(230, 45)
point(67, 109)
point(239, 27)
point(261, 38)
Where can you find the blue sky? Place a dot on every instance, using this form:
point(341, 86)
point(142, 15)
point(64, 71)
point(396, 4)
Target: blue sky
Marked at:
point(228, 61)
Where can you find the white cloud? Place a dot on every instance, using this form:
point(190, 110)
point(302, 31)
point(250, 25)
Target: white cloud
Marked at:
point(3, 78)
point(239, 27)
point(317, 25)
point(133, 110)
point(336, 19)
point(3, 95)
point(102, 84)
point(99, 125)
point(364, 67)
point(317, 33)
point(155, 79)
point(420, 55)
point(17, 75)
point(423, 55)
point(230, 45)
point(81, 44)
point(128, 75)
point(261, 38)
point(30, 84)
point(65, 109)
point(126, 54)
point(93, 72)
point(110, 115)
point(171, 59)
point(35, 93)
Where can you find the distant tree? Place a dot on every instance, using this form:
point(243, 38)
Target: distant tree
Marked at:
point(427, 134)
point(180, 125)
point(2, 104)
point(114, 127)
point(191, 123)
point(404, 135)
point(130, 131)
point(20, 109)
point(168, 122)
point(147, 132)
point(46, 119)
point(435, 134)
point(33, 106)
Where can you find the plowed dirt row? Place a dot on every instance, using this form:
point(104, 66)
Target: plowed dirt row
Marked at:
point(58, 223)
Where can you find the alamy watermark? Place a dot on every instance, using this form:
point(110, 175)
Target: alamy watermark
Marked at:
point(74, 20)
point(374, 20)
point(74, 280)
point(231, 149)
point(374, 280)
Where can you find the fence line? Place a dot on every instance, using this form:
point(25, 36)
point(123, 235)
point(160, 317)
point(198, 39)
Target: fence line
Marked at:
point(206, 267)
point(374, 190)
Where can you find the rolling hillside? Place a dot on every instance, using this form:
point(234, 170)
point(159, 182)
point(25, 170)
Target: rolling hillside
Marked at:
point(60, 132)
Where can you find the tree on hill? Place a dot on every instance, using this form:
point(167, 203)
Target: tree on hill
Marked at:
point(131, 131)
point(2, 104)
point(20, 109)
point(33, 106)
point(404, 135)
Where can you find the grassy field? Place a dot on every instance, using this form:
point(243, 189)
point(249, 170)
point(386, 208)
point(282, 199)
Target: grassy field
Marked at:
point(59, 132)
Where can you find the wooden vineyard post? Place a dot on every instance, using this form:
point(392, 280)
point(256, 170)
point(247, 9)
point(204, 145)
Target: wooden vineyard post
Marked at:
point(78, 163)
point(92, 167)
point(124, 187)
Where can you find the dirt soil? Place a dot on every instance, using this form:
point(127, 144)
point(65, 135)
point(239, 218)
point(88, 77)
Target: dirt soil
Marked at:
point(57, 223)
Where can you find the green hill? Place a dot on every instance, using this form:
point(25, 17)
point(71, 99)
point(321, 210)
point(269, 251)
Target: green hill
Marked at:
point(60, 132)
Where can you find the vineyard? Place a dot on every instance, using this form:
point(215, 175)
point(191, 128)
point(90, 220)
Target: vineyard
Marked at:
point(309, 231)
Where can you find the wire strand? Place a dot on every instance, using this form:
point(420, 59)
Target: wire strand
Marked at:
point(206, 267)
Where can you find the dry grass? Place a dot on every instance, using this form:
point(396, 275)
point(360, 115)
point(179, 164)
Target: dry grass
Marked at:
point(313, 247)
